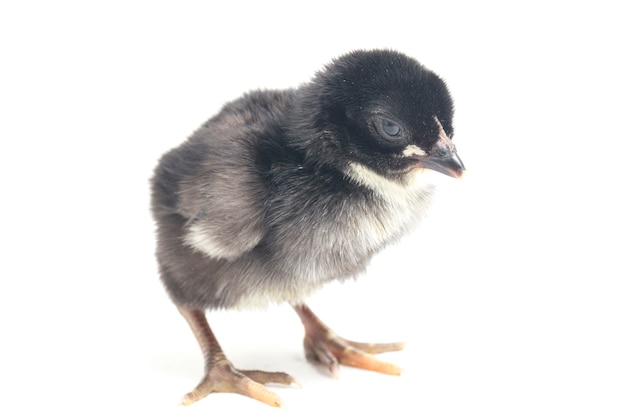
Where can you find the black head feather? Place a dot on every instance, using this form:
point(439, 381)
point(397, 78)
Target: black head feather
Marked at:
point(367, 106)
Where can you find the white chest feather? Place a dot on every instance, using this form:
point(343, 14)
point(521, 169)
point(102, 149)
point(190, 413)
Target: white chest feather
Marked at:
point(402, 206)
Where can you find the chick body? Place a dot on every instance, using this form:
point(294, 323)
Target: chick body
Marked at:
point(245, 219)
point(284, 191)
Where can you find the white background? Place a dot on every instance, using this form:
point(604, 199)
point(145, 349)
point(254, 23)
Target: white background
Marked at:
point(511, 296)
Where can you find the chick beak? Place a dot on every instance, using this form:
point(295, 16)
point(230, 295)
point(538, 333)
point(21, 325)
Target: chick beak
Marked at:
point(443, 157)
point(450, 164)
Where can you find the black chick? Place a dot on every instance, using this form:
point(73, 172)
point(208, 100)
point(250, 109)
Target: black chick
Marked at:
point(284, 191)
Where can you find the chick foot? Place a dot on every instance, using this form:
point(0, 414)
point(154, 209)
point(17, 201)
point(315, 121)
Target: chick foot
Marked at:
point(221, 376)
point(323, 345)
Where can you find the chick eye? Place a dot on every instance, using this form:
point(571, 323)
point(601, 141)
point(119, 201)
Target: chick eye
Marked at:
point(390, 128)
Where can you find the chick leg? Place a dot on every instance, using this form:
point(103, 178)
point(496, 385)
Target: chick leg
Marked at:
point(321, 344)
point(220, 375)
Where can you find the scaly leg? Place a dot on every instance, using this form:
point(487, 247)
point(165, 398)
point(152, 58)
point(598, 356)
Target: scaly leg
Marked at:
point(321, 344)
point(220, 375)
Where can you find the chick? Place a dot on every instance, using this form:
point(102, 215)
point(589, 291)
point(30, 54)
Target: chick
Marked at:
point(283, 191)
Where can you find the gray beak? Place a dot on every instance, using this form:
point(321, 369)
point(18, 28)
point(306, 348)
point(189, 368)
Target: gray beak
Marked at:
point(443, 158)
